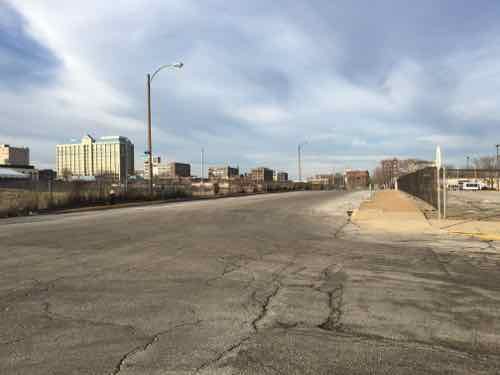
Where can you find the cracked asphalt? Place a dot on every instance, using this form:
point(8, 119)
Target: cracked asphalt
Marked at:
point(268, 284)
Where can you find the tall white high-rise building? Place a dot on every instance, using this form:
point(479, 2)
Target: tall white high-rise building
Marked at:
point(111, 156)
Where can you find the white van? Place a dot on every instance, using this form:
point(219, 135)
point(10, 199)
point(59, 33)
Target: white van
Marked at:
point(471, 186)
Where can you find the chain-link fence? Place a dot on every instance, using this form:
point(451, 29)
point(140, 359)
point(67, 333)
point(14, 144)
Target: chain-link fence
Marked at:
point(421, 184)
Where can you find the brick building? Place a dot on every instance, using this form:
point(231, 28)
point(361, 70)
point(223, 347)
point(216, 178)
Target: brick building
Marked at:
point(394, 168)
point(17, 159)
point(14, 155)
point(357, 180)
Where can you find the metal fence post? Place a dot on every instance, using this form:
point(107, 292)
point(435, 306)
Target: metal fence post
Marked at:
point(49, 182)
point(445, 192)
point(438, 170)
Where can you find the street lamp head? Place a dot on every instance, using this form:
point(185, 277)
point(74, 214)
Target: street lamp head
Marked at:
point(177, 65)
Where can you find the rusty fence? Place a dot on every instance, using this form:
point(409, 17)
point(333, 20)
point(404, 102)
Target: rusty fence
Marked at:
point(21, 197)
point(24, 196)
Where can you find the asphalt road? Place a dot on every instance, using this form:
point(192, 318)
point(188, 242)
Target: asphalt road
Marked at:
point(253, 285)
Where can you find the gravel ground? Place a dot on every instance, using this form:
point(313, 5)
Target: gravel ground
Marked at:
point(483, 205)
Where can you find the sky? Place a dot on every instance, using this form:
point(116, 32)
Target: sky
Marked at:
point(358, 81)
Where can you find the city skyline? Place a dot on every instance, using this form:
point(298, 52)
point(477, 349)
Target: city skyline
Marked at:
point(358, 86)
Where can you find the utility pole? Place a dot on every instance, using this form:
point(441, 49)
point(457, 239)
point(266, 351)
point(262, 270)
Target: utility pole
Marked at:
point(438, 170)
point(496, 165)
point(299, 159)
point(445, 191)
point(438, 164)
point(125, 183)
point(202, 165)
point(300, 167)
point(468, 159)
point(150, 141)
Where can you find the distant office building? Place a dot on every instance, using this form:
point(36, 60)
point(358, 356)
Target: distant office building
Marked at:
point(281, 176)
point(14, 155)
point(17, 159)
point(223, 173)
point(156, 163)
point(322, 179)
point(262, 174)
point(175, 169)
point(163, 170)
point(111, 156)
point(357, 179)
point(167, 170)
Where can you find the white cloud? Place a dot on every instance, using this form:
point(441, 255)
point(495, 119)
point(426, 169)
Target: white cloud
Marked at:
point(270, 74)
point(476, 96)
point(403, 84)
point(262, 114)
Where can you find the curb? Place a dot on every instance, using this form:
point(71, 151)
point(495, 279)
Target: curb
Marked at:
point(480, 235)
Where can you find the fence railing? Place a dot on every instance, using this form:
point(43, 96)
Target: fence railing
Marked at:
point(20, 197)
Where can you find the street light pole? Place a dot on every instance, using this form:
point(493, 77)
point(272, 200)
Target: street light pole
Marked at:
point(299, 166)
point(202, 165)
point(299, 159)
point(150, 78)
point(150, 142)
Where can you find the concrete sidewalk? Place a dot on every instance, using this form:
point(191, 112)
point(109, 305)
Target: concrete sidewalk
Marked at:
point(392, 211)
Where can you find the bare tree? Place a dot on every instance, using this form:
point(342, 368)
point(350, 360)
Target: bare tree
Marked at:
point(484, 162)
point(378, 176)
